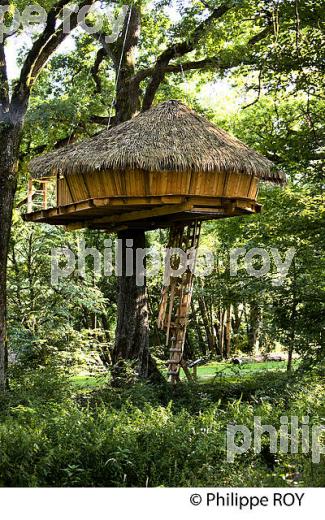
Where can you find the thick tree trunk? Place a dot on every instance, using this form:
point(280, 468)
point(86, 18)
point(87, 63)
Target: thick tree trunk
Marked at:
point(132, 331)
point(9, 147)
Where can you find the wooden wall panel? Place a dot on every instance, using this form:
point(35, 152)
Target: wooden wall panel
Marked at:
point(64, 194)
point(140, 183)
point(137, 183)
point(77, 187)
point(253, 189)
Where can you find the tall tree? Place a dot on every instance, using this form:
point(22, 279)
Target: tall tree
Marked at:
point(211, 38)
point(13, 107)
point(136, 89)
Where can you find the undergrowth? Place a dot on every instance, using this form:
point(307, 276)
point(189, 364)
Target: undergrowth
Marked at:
point(51, 434)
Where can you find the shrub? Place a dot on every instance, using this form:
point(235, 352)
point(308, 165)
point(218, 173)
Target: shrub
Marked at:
point(147, 436)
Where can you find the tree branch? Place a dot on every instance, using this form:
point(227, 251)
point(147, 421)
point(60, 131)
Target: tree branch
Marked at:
point(162, 67)
point(4, 85)
point(61, 143)
point(259, 90)
point(261, 35)
point(207, 63)
point(101, 55)
point(178, 50)
point(42, 49)
point(102, 120)
point(71, 138)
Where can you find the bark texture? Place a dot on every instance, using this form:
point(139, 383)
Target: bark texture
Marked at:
point(13, 107)
point(132, 331)
point(9, 149)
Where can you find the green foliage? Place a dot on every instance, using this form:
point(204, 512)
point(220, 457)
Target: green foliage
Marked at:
point(48, 323)
point(148, 436)
point(53, 433)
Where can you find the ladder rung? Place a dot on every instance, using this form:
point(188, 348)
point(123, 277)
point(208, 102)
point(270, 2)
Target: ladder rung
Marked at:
point(176, 298)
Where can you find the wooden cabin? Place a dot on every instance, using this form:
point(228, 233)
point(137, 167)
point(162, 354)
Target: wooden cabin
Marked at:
point(167, 164)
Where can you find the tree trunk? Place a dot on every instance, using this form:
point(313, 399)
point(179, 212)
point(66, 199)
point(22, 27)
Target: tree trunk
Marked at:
point(254, 328)
point(9, 148)
point(293, 317)
point(207, 327)
point(132, 331)
point(236, 322)
point(228, 333)
point(290, 358)
point(202, 344)
point(221, 336)
point(189, 350)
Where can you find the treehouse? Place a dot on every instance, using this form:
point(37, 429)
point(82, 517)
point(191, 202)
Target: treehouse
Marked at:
point(166, 165)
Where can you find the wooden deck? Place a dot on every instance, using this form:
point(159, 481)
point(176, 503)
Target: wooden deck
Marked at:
point(151, 212)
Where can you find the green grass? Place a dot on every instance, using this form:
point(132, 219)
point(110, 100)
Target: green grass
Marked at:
point(206, 373)
point(223, 369)
point(88, 383)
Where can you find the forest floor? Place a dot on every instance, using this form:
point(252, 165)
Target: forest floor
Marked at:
point(61, 431)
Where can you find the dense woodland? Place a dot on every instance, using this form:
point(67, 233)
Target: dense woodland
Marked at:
point(254, 68)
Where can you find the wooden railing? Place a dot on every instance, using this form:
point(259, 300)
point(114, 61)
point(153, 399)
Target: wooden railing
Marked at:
point(41, 194)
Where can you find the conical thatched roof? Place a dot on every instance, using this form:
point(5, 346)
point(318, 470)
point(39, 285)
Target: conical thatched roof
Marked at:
point(169, 136)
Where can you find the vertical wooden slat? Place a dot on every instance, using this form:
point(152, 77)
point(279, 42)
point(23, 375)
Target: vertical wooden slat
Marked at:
point(30, 196)
point(88, 194)
point(69, 189)
point(225, 185)
point(44, 194)
point(57, 189)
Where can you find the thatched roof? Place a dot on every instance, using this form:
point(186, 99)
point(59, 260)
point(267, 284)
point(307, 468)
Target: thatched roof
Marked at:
point(169, 136)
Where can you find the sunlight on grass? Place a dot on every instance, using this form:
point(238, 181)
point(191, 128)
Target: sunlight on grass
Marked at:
point(85, 383)
point(208, 372)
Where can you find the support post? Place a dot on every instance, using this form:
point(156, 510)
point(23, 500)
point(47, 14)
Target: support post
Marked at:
point(30, 196)
point(44, 190)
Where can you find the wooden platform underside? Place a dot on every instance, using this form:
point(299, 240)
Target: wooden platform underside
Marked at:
point(115, 213)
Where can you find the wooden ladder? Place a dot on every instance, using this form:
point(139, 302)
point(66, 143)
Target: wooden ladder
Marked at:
point(177, 294)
